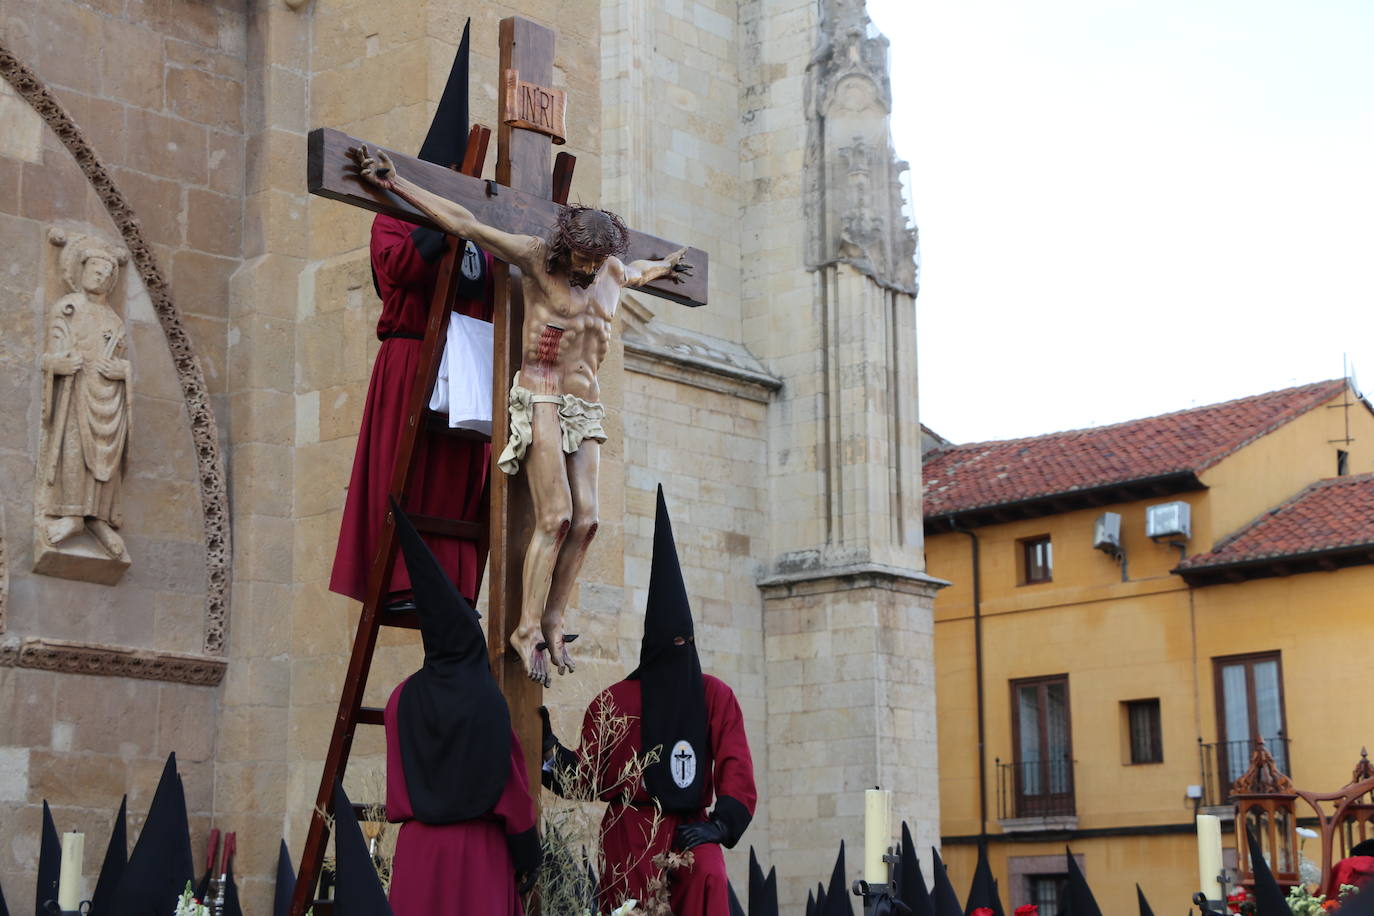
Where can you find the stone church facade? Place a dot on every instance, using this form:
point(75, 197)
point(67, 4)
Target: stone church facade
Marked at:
point(781, 419)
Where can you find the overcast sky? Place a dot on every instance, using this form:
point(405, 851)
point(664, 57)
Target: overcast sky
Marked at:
point(1128, 208)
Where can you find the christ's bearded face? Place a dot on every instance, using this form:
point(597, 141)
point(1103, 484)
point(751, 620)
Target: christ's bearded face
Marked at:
point(583, 268)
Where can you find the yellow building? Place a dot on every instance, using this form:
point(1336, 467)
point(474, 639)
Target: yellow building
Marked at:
point(1132, 606)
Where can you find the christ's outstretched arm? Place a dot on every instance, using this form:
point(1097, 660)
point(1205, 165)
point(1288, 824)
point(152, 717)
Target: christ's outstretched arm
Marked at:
point(638, 273)
point(455, 219)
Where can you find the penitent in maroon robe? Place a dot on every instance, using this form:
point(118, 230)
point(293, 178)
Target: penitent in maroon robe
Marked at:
point(450, 475)
point(461, 869)
point(628, 841)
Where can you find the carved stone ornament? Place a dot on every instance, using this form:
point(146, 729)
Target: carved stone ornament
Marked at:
point(854, 203)
point(86, 412)
point(112, 661)
point(214, 495)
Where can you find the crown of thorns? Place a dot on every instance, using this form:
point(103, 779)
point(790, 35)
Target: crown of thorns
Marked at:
point(595, 237)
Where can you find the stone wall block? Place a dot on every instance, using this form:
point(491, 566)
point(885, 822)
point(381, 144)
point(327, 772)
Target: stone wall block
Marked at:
point(252, 733)
point(77, 780)
point(263, 415)
point(132, 64)
point(164, 509)
point(258, 539)
point(274, 221)
point(265, 287)
point(197, 22)
point(205, 98)
point(46, 34)
point(157, 203)
point(200, 283)
point(186, 721)
point(53, 190)
point(226, 162)
point(167, 147)
point(214, 222)
point(262, 352)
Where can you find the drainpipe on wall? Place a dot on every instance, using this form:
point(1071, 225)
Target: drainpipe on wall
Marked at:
point(978, 674)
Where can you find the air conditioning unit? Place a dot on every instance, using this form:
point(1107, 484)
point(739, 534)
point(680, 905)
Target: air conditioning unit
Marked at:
point(1166, 520)
point(1107, 532)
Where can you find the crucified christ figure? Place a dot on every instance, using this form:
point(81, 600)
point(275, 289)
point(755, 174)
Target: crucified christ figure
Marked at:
point(571, 282)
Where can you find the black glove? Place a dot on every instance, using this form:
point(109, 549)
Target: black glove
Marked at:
point(549, 741)
point(526, 855)
point(688, 835)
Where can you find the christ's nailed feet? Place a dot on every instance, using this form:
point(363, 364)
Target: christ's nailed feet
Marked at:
point(557, 642)
point(529, 643)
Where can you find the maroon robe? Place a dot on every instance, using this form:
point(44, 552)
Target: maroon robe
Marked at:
point(449, 477)
point(461, 869)
point(628, 842)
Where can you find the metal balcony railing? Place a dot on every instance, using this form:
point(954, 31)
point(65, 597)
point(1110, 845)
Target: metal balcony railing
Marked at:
point(1035, 788)
point(1223, 762)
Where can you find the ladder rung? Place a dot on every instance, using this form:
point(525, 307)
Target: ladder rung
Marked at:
point(437, 425)
point(371, 715)
point(408, 620)
point(447, 527)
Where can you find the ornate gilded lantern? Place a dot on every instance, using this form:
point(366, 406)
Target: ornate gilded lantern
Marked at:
point(1266, 805)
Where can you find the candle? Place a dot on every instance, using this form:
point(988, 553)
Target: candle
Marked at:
point(877, 833)
point(1209, 855)
point(69, 880)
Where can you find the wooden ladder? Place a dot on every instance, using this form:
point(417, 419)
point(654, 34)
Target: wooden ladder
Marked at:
point(421, 424)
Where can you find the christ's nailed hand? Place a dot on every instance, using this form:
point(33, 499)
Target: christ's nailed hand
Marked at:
point(378, 169)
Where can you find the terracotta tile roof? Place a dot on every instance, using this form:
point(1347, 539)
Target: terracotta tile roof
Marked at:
point(1329, 515)
point(984, 474)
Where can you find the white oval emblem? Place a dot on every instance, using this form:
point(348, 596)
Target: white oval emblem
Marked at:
point(472, 262)
point(683, 763)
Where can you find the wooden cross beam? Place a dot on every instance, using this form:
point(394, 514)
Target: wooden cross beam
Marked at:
point(513, 208)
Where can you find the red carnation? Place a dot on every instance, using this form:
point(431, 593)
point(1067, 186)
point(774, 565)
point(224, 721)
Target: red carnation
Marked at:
point(983, 911)
point(1027, 909)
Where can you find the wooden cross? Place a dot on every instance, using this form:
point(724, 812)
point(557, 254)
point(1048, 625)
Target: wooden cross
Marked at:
point(518, 201)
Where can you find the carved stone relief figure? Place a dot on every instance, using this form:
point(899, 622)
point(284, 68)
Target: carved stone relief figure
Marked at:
point(86, 405)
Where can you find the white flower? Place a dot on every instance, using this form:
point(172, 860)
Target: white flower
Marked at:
point(625, 908)
point(1307, 833)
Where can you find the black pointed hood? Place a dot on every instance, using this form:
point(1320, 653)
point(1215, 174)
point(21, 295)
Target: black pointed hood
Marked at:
point(810, 903)
point(763, 891)
point(453, 724)
point(983, 891)
point(49, 862)
point(735, 908)
point(1269, 898)
point(286, 883)
point(1081, 899)
point(837, 894)
point(820, 899)
point(911, 884)
point(944, 898)
point(4, 907)
point(116, 858)
point(1144, 904)
point(447, 139)
point(357, 889)
point(674, 717)
point(161, 862)
point(231, 892)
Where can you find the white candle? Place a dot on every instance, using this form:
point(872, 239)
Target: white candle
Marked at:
point(877, 833)
point(1209, 855)
point(69, 880)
